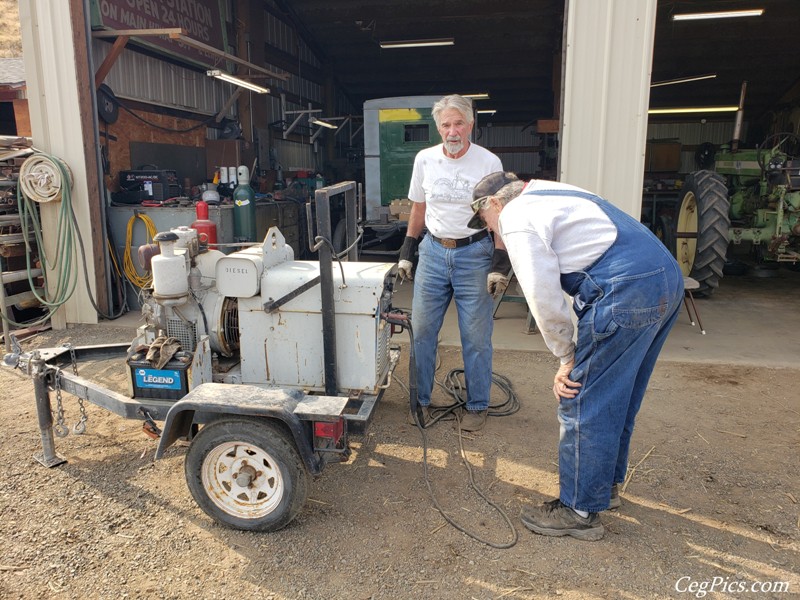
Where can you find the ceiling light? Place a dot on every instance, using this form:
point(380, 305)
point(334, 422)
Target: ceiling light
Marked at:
point(315, 121)
point(486, 112)
point(682, 80)
point(692, 109)
point(479, 96)
point(417, 43)
point(725, 14)
point(216, 73)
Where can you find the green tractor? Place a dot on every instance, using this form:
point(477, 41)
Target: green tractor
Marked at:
point(752, 196)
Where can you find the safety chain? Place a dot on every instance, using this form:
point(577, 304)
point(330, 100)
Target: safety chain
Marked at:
point(60, 428)
point(79, 427)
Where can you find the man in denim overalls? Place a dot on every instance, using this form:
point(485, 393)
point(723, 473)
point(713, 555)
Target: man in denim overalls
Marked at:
point(627, 291)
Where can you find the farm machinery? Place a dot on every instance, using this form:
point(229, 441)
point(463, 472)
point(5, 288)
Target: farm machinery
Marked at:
point(263, 363)
point(752, 196)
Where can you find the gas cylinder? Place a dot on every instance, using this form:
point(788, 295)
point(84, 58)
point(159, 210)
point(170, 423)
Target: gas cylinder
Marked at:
point(206, 229)
point(244, 208)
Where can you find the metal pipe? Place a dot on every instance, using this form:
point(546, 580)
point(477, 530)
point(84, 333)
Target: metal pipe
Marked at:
point(322, 201)
point(48, 456)
point(737, 126)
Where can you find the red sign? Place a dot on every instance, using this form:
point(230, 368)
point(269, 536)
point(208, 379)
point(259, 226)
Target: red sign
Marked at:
point(201, 20)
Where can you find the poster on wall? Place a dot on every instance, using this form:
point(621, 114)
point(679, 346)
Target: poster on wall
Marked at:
point(202, 20)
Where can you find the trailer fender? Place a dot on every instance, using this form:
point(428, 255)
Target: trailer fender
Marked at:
point(210, 399)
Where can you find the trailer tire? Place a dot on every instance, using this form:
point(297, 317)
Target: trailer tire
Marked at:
point(246, 473)
point(702, 229)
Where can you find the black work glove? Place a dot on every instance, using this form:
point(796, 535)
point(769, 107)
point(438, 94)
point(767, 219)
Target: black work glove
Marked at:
point(497, 281)
point(406, 264)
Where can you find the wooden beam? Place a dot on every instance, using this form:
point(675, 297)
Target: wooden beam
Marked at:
point(210, 49)
point(178, 34)
point(111, 58)
point(108, 33)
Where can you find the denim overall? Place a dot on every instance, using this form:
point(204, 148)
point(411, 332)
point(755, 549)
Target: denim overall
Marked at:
point(626, 302)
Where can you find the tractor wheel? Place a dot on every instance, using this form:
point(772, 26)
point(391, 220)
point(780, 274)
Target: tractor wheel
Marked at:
point(664, 229)
point(247, 474)
point(702, 229)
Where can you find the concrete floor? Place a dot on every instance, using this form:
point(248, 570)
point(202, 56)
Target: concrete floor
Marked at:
point(749, 320)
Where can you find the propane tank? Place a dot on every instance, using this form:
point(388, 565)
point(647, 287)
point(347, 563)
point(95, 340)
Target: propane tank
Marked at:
point(170, 284)
point(232, 178)
point(206, 229)
point(244, 208)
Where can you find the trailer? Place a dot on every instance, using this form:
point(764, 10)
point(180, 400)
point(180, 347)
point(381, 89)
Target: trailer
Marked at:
point(263, 363)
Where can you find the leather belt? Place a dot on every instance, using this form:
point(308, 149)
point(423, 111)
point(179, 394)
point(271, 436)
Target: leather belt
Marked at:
point(461, 242)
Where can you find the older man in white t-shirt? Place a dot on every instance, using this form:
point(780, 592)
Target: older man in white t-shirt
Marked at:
point(455, 261)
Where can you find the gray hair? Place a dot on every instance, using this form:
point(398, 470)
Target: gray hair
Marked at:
point(509, 191)
point(460, 103)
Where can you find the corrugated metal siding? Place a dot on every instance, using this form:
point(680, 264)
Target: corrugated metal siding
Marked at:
point(693, 134)
point(608, 51)
point(56, 128)
point(140, 77)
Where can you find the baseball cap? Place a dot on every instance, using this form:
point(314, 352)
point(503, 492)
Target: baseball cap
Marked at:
point(486, 187)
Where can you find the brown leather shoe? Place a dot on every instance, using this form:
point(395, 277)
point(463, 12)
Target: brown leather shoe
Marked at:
point(555, 519)
point(473, 420)
point(426, 417)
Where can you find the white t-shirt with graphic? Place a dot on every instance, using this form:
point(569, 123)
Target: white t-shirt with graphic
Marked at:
point(446, 184)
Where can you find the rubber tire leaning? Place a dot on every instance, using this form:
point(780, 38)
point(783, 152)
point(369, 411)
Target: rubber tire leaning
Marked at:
point(265, 438)
point(709, 193)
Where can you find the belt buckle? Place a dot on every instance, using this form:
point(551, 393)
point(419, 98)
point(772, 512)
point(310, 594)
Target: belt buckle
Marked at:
point(447, 243)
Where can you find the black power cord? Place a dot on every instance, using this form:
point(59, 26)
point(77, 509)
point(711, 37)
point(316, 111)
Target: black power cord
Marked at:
point(403, 319)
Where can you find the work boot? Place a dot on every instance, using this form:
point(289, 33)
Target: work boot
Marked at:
point(426, 416)
point(442, 409)
point(473, 420)
point(616, 501)
point(556, 519)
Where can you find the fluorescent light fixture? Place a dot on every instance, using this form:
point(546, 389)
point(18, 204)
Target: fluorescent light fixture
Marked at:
point(692, 109)
point(315, 121)
point(417, 43)
point(683, 80)
point(724, 14)
point(216, 73)
point(479, 96)
point(487, 112)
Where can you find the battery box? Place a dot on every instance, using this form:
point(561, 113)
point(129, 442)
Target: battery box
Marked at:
point(169, 383)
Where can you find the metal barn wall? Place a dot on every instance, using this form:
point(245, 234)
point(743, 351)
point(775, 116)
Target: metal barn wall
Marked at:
point(608, 47)
point(692, 135)
point(57, 128)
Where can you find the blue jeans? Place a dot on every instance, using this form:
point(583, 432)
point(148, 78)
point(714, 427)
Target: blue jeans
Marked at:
point(626, 303)
point(460, 273)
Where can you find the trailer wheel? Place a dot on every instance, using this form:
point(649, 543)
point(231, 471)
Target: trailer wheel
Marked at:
point(247, 474)
point(702, 229)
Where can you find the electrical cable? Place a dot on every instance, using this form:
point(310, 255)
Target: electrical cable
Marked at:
point(405, 322)
point(131, 273)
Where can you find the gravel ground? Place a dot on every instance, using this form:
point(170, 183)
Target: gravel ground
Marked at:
point(713, 492)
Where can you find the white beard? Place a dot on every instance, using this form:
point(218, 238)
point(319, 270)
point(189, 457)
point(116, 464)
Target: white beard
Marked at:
point(454, 146)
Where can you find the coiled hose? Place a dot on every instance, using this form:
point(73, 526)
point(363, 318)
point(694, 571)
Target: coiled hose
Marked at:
point(140, 281)
point(45, 179)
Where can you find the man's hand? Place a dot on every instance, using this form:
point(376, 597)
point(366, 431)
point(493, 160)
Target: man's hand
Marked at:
point(404, 269)
point(497, 281)
point(496, 284)
point(407, 251)
point(563, 386)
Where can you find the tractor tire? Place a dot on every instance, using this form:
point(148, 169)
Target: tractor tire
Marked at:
point(246, 473)
point(702, 229)
point(664, 230)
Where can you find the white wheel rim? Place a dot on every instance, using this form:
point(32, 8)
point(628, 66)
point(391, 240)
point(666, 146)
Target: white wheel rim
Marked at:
point(242, 480)
point(687, 223)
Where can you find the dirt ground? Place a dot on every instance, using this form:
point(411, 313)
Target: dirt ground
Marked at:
point(712, 499)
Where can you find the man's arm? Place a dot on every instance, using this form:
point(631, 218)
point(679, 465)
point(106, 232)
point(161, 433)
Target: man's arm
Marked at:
point(416, 221)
